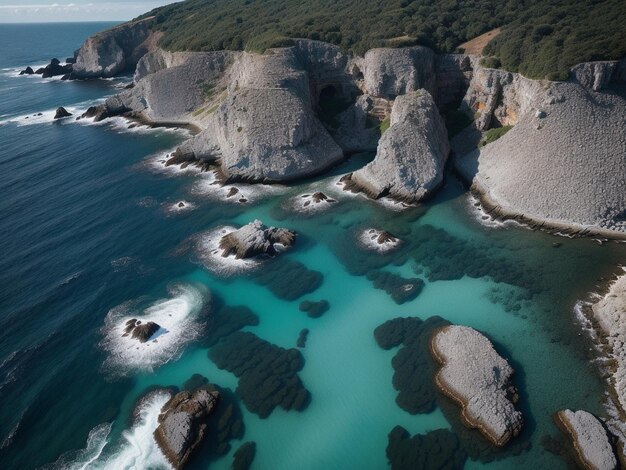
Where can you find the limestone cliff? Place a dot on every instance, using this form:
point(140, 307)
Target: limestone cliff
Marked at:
point(114, 51)
point(411, 153)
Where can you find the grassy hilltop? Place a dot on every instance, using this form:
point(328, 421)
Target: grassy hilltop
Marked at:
point(539, 37)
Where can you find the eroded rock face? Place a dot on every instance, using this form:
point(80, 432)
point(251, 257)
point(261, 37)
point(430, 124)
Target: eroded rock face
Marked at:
point(594, 75)
point(113, 51)
point(182, 424)
point(568, 144)
point(256, 239)
point(392, 72)
point(474, 375)
point(411, 154)
point(589, 438)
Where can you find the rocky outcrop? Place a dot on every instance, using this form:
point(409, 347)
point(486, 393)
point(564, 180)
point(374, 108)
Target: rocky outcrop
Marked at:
point(391, 72)
point(589, 438)
point(562, 165)
point(379, 240)
point(453, 73)
point(411, 154)
point(113, 51)
point(594, 76)
point(314, 309)
point(61, 113)
point(256, 239)
point(27, 71)
point(610, 315)
point(265, 128)
point(182, 424)
point(474, 375)
point(140, 331)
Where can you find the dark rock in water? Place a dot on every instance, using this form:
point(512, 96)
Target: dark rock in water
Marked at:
point(55, 68)
point(39, 114)
point(400, 289)
point(182, 424)
point(232, 191)
point(243, 457)
point(438, 449)
point(314, 309)
point(287, 279)
point(319, 197)
point(70, 60)
point(181, 204)
point(66, 76)
point(39, 71)
point(140, 331)
point(302, 337)
point(256, 239)
point(179, 157)
point(225, 423)
point(386, 237)
point(27, 71)
point(268, 374)
point(98, 113)
point(62, 113)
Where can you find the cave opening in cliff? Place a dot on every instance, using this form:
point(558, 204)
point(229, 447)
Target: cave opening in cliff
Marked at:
point(330, 104)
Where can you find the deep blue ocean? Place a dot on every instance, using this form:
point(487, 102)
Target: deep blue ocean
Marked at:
point(91, 234)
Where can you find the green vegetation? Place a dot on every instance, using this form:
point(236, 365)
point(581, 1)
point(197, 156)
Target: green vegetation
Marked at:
point(539, 37)
point(493, 134)
point(491, 62)
point(385, 125)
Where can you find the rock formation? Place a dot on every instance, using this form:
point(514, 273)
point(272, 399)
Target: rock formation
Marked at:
point(256, 239)
point(244, 456)
point(182, 424)
point(474, 375)
point(61, 113)
point(411, 153)
point(314, 309)
point(27, 71)
point(589, 438)
point(140, 331)
point(113, 51)
point(610, 315)
point(568, 144)
point(379, 240)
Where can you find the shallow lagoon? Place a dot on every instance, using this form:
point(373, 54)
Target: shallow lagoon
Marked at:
point(89, 226)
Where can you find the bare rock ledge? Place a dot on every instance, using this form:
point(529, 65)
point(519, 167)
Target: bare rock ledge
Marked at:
point(256, 239)
point(474, 375)
point(590, 439)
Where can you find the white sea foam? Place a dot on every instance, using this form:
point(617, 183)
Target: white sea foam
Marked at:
point(210, 255)
point(157, 163)
point(239, 193)
point(386, 202)
point(136, 450)
point(178, 318)
point(177, 208)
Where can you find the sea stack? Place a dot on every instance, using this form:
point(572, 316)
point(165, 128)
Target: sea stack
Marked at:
point(256, 239)
point(475, 376)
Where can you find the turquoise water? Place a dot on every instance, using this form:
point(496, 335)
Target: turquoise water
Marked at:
point(90, 235)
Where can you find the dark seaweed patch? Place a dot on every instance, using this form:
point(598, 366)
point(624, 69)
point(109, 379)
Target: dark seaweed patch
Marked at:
point(243, 457)
point(314, 309)
point(288, 280)
point(399, 288)
point(439, 449)
point(268, 374)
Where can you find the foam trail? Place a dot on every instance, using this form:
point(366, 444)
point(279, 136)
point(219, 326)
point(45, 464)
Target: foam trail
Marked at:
point(178, 318)
point(85, 458)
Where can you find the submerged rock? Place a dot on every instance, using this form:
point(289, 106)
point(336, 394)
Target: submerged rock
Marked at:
point(411, 154)
point(268, 374)
point(61, 113)
point(243, 457)
point(590, 439)
point(440, 449)
point(400, 289)
point(474, 375)
point(256, 239)
point(182, 424)
point(302, 337)
point(314, 309)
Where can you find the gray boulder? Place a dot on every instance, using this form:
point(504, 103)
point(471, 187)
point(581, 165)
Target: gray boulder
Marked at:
point(113, 51)
point(255, 239)
point(474, 375)
point(589, 438)
point(411, 154)
point(182, 424)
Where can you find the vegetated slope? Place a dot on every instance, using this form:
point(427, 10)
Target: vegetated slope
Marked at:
point(539, 36)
